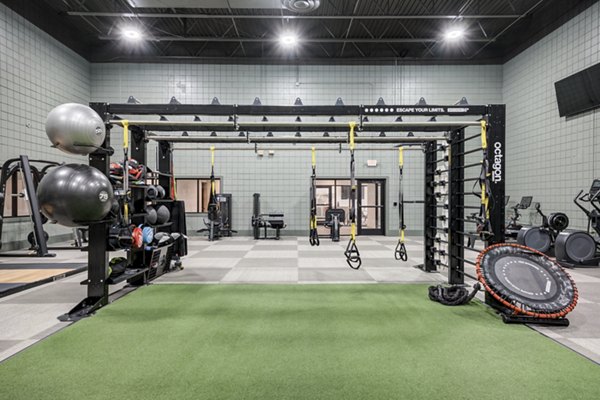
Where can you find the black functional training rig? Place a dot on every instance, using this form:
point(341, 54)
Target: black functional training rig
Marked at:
point(444, 213)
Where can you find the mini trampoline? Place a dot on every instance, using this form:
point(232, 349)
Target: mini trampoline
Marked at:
point(526, 281)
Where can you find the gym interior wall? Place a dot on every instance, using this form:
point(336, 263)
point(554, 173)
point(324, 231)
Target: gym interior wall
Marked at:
point(37, 73)
point(282, 179)
point(550, 157)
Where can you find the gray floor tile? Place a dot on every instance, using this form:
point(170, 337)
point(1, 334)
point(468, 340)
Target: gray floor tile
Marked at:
point(321, 253)
point(267, 263)
point(261, 275)
point(61, 292)
point(196, 275)
point(7, 344)
point(274, 253)
point(213, 253)
point(209, 262)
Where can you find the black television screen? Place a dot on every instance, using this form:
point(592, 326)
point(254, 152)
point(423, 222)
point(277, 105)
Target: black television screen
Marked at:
point(579, 92)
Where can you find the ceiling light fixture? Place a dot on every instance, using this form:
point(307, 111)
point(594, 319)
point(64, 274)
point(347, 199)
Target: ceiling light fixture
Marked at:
point(131, 34)
point(454, 34)
point(288, 39)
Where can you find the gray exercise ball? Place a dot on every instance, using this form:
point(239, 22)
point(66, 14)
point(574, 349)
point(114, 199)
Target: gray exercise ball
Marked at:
point(75, 194)
point(75, 129)
point(151, 216)
point(163, 215)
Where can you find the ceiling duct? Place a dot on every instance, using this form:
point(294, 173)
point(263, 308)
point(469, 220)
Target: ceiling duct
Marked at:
point(298, 6)
point(301, 6)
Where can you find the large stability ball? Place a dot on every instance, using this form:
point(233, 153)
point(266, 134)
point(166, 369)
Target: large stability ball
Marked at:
point(75, 194)
point(75, 128)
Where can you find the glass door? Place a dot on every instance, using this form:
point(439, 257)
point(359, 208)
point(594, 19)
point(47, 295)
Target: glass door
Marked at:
point(371, 207)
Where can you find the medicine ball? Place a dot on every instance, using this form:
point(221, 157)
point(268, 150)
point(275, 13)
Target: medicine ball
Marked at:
point(151, 192)
point(163, 215)
point(147, 234)
point(151, 215)
point(75, 194)
point(161, 192)
point(137, 237)
point(75, 128)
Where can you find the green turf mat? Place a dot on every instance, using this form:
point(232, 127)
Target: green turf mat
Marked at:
point(295, 342)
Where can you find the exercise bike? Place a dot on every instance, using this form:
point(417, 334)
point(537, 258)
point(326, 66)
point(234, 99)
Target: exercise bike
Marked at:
point(513, 227)
point(579, 248)
point(542, 238)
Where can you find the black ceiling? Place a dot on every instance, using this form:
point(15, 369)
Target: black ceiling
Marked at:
point(338, 32)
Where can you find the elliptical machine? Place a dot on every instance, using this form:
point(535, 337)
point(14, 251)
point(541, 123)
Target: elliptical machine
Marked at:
point(578, 248)
point(542, 238)
point(513, 227)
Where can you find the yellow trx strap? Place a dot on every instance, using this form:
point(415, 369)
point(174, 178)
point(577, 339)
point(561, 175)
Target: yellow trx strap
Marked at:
point(483, 134)
point(484, 197)
point(401, 165)
point(352, 125)
point(314, 156)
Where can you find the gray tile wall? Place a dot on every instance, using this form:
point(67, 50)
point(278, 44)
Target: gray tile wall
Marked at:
point(549, 157)
point(36, 74)
point(283, 179)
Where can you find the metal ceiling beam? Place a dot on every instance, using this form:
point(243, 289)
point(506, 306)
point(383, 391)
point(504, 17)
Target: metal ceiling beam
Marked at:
point(275, 40)
point(292, 140)
point(312, 17)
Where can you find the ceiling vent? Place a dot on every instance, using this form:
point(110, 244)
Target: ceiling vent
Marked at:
point(301, 6)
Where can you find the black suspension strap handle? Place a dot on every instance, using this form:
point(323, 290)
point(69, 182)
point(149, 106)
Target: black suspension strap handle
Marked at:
point(352, 254)
point(313, 238)
point(400, 253)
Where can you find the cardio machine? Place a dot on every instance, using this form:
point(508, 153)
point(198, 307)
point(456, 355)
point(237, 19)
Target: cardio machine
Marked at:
point(579, 248)
point(513, 227)
point(542, 238)
point(334, 218)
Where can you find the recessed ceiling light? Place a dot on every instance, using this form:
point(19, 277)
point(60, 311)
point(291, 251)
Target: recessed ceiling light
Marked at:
point(454, 34)
point(132, 34)
point(288, 39)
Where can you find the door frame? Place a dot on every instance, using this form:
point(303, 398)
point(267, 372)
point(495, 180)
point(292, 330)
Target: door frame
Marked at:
point(382, 201)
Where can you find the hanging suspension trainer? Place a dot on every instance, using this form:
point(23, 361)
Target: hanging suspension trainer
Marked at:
point(400, 252)
point(484, 228)
point(314, 234)
point(213, 194)
point(352, 254)
point(126, 171)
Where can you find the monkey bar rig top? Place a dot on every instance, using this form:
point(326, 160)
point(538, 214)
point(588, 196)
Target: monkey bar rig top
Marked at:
point(444, 213)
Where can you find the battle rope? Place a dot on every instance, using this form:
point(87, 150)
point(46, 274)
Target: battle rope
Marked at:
point(400, 252)
point(453, 295)
point(314, 235)
point(351, 253)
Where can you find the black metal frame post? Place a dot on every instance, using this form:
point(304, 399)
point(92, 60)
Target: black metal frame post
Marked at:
point(456, 211)
point(165, 164)
point(97, 286)
point(430, 208)
point(496, 156)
